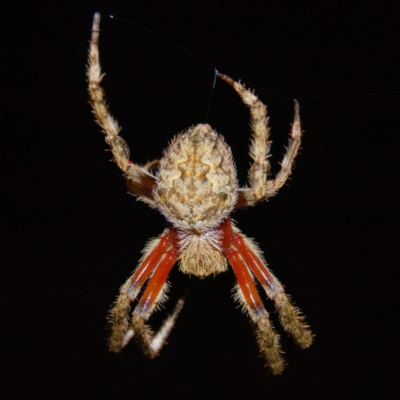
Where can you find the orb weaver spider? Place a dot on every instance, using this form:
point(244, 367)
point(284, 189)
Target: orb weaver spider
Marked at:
point(195, 187)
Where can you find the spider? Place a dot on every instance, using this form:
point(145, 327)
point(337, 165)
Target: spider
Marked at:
point(194, 186)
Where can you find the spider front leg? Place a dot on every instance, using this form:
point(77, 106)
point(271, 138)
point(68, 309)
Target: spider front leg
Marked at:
point(160, 256)
point(260, 187)
point(248, 296)
point(290, 317)
point(154, 295)
point(246, 260)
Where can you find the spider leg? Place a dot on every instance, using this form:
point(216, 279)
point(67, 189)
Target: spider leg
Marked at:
point(141, 177)
point(154, 295)
point(260, 187)
point(248, 296)
point(260, 145)
point(156, 254)
point(290, 317)
point(290, 155)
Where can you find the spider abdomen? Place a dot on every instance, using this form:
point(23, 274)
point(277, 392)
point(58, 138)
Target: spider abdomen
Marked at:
point(196, 184)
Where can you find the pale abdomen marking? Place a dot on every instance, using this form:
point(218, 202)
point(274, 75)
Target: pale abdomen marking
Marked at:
point(197, 179)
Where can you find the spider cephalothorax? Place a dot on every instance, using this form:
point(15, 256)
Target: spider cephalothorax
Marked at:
point(195, 186)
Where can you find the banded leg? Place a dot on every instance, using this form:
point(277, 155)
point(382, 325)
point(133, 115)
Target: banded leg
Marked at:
point(290, 317)
point(260, 145)
point(140, 178)
point(248, 296)
point(119, 314)
point(291, 153)
point(260, 187)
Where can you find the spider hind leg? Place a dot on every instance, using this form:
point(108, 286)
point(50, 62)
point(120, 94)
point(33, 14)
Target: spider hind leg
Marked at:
point(261, 187)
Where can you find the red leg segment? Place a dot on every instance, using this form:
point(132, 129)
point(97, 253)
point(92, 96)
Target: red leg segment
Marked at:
point(119, 315)
point(290, 317)
point(248, 295)
point(155, 286)
point(153, 295)
point(142, 273)
point(256, 265)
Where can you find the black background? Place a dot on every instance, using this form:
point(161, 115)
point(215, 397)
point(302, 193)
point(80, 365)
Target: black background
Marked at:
point(72, 235)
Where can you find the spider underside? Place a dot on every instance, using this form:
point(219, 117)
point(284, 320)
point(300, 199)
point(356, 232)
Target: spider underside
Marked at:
point(195, 187)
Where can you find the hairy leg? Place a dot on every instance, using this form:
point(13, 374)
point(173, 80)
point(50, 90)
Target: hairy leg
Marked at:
point(139, 176)
point(248, 296)
point(290, 155)
point(154, 295)
point(260, 145)
point(290, 317)
point(154, 253)
point(260, 187)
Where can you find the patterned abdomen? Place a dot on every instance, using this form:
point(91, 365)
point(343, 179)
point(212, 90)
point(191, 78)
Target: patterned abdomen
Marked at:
point(196, 184)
